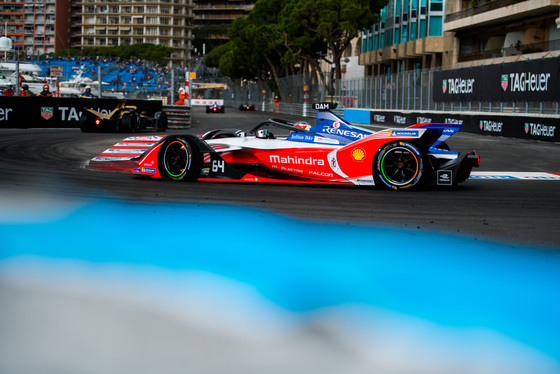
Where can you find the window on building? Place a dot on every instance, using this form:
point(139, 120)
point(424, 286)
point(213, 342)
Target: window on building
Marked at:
point(422, 33)
point(436, 26)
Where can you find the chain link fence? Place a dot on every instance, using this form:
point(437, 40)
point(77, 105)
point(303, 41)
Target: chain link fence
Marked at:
point(409, 90)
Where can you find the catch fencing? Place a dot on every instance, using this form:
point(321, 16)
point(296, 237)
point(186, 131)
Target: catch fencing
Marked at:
point(404, 91)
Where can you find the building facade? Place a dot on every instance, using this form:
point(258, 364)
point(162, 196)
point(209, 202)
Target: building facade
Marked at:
point(212, 19)
point(410, 35)
point(423, 34)
point(103, 23)
point(39, 27)
point(502, 31)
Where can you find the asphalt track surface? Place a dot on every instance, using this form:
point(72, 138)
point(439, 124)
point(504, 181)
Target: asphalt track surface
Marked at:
point(517, 212)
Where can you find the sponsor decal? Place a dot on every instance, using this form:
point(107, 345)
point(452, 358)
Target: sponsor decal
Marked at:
point(364, 181)
point(148, 170)
point(323, 106)
point(346, 133)
point(460, 86)
point(336, 125)
point(504, 81)
point(423, 120)
point(321, 174)
point(47, 112)
point(403, 133)
point(538, 129)
point(379, 118)
point(444, 177)
point(444, 85)
point(491, 126)
point(296, 160)
point(320, 139)
point(358, 154)
point(528, 82)
point(454, 121)
point(400, 120)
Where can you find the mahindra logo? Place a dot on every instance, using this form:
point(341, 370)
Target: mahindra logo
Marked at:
point(296, 160)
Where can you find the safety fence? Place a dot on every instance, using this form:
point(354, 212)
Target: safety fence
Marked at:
point(404, 91)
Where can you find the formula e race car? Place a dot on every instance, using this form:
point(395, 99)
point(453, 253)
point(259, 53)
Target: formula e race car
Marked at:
point(246, 107)
point(215, 108)
point(331, 152)
point(124, 118)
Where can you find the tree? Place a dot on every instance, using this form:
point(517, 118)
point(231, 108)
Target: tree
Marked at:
point(334, 22)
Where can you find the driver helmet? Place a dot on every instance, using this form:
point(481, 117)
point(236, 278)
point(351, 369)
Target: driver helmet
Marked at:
point(25, 87)
point(88, 88)
point(46, 87)
point(302, 125)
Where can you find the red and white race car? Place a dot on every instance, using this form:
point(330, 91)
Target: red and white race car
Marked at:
point(331, 152)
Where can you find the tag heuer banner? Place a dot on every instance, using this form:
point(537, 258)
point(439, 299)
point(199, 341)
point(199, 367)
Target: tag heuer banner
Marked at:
point(532, 80)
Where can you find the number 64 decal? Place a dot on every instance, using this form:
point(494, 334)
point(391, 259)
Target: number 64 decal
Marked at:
point(218, 165)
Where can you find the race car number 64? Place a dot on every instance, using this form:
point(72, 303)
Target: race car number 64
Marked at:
point(218, 165)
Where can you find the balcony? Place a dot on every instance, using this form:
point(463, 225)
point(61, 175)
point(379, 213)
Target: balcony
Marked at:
point(522, 49)
point(498, 12)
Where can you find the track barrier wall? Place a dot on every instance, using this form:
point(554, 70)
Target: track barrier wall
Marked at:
point(51, 112)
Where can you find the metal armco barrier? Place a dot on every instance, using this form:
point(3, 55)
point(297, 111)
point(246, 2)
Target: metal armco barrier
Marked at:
point(178, 116)
point(53, 112)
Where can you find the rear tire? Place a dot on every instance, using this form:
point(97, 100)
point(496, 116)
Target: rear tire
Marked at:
point(400, 166)
point(179, 159)
point(161, 121)
point(128, 123)
point(86, 122)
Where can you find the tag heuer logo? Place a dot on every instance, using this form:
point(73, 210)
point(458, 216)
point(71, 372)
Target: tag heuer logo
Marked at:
point(526, 128)
point(481, 124)
point(504, 81)
point(46, 113)
point(444, 86)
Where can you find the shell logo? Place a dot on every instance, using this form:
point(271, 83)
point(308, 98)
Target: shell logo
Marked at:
point(358, 154)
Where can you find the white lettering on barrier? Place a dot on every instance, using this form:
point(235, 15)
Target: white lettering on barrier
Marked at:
point(4, 113)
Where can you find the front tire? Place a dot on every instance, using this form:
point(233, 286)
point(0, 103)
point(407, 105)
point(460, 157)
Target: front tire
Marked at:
point(400, 166)
point(179, 159)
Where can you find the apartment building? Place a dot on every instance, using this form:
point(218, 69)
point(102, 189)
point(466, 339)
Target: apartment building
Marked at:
point(421, 34)
point(502, 31)
point(11, 18)
point(105, 23)
point(212, 19)
point(36, 26)
point(410, 35)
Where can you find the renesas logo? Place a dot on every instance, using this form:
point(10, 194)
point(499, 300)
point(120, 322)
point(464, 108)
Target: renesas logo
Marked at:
point(343, 132)
point(539, 129)
point(458, 86)
point(491, 126)
point(296, 160)
point(525, 82)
